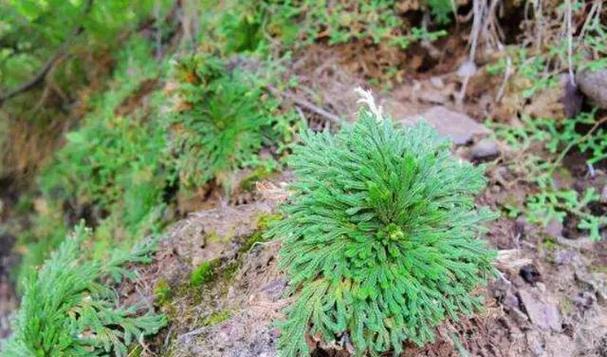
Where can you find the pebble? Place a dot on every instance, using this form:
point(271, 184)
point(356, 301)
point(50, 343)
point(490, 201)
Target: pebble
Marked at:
point(485, 149)
point(554, 228)
point(593, 84)
point(456, 126)
point(542, 314)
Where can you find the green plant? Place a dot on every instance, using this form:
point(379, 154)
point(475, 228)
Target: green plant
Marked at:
point(111, 167)
point(342, 22)
point(380, 236)
point(259, 26)
point(223, 120)
point(542, 145)
point(70, 309)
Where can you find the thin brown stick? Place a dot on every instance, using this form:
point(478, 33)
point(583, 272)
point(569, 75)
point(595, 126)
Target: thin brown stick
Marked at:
point(307, 105)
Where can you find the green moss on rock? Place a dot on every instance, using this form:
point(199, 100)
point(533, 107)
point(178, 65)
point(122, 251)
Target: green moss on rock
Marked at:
point(217, 317)
point(162, 292)
point(204, 273)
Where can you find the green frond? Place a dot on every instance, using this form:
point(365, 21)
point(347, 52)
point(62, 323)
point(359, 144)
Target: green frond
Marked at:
point(68, 309)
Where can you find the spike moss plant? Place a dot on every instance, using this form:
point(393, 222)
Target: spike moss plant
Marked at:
point(70, 307)
point(381, 237)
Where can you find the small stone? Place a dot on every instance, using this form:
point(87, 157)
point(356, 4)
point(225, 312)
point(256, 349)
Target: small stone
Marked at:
point(572, 99)
point(518, 316)
point(485, 149)
point(437, 82)
point(554, 228)
point(542, 314)
point(584, 300)
point(530, 274)
point(467, 69)
point(596, 282)
point(594, 86)
point(457, 127)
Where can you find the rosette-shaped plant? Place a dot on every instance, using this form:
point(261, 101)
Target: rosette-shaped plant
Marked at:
point(380, 238)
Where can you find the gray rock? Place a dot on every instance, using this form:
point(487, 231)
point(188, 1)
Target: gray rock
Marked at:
point(484, 149)
point(572, 99)
point(433, 96)
point(597, 282)
point(541, 313)
point(458, 127)
point(594, 86)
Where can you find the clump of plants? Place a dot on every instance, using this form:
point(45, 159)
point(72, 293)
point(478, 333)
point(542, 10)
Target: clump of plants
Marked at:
point(380, 238)
point(248, 26)
point(69, 307)
point(224, 116)
point(540, 146)
point(110, 171)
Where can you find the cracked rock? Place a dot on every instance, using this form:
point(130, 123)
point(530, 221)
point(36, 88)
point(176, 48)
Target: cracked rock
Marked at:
point(541, 313)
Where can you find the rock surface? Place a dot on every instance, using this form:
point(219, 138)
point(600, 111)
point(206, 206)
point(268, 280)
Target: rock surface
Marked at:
point(458, 127)
point(541, 313)
point(594, 86)
point(485, 149)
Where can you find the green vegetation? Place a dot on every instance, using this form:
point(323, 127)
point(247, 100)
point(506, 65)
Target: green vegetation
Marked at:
point(162, 292)
point(536, 141)
point(53, 54)
point(217, 317)
point(223, 119)
point(69, 307)
point(204, 273)
point(110, 168)
point(540, 67)
point(380, 237)
point(257, 26)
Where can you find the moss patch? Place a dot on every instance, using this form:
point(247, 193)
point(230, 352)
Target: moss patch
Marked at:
point(217, 317)
point(263, 222)
point(162, 292)
point(260, 173)
point(204, 273)
point(229, 272)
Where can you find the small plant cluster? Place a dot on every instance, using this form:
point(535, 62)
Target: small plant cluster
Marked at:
point(70, 43)
point(261, 25)
point(69, 307)
point(542, 145)
point(224, 117)
point(346, 21)
point(110, 171)
point(380, 238)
